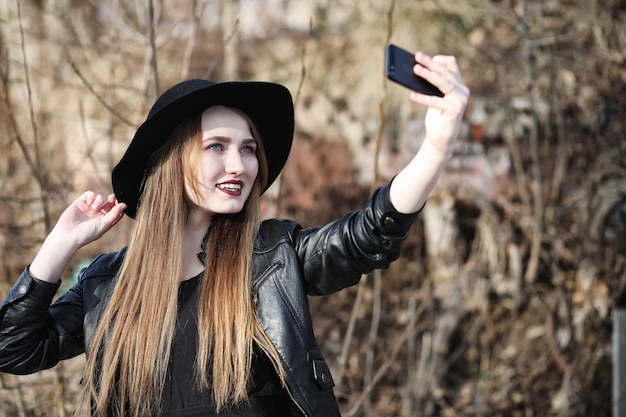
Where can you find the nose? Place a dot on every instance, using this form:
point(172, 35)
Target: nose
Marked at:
point(234, 163)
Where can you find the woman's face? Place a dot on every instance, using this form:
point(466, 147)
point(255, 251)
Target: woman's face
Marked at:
point(228, 164)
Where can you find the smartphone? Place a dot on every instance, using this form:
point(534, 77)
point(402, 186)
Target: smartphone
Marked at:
point(399, 65)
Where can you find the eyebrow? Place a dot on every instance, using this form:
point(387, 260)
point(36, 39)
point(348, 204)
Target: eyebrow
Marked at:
point(227, 139)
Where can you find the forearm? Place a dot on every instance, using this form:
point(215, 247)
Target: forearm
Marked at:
point(412, 186)
point(336, 255)
point(53, 257)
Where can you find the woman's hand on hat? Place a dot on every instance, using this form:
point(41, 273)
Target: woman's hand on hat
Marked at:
point(444, 115)
point(88, 218)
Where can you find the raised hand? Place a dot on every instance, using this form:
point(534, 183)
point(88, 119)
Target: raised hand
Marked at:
point(85, 220)
point(89, 217)
point(444, 115)
point(413, 184)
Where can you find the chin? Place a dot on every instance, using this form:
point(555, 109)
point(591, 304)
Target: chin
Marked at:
point(229, 210)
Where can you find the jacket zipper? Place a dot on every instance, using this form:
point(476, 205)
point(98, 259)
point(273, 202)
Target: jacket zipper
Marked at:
point(269, 271)
point(304, 414)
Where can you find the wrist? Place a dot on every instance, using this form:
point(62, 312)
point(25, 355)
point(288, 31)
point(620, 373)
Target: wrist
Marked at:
point(444, 149)
point(62, 242)
point(55, 254)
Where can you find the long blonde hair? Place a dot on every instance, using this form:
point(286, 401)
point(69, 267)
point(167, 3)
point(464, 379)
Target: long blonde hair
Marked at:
point(129, 356)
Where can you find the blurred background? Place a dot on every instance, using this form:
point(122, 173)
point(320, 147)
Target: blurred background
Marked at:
point(504, 299)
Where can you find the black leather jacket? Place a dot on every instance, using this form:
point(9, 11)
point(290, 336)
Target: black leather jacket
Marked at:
point(290, 262)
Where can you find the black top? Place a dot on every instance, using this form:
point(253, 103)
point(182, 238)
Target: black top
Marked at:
point(181, 396)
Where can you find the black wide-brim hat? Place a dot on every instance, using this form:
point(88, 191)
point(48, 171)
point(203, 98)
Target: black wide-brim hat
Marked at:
point(268, 105)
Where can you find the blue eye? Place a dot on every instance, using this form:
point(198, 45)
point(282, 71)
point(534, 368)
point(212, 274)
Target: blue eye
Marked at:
point(248, 149)
point(215, 147)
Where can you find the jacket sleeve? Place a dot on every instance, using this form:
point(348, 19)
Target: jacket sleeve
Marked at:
point(335, 256)
point(33, 335)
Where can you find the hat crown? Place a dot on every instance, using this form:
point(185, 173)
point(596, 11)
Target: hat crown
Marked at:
point(177, 92)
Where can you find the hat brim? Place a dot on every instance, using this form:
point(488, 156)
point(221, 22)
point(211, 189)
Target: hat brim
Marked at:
point(268, 105)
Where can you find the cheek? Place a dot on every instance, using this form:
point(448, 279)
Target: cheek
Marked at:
point(190, 192)
point(253, 167)
point(209, 167)
point(197, 179)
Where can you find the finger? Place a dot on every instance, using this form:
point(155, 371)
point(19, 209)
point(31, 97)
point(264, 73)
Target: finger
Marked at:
point(441, 70)
point(88, 197)
point(438, 64)
point(439, 78)
point(441, 64)
point(448, 62)
point(456, 80)
point(98, 202)
point(114, 215)
point(108, 204)
point(101, 204)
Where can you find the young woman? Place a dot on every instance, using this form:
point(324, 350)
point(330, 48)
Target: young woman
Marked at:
point(205, 312)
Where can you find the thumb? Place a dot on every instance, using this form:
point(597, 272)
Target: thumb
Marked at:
point(113, 216)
